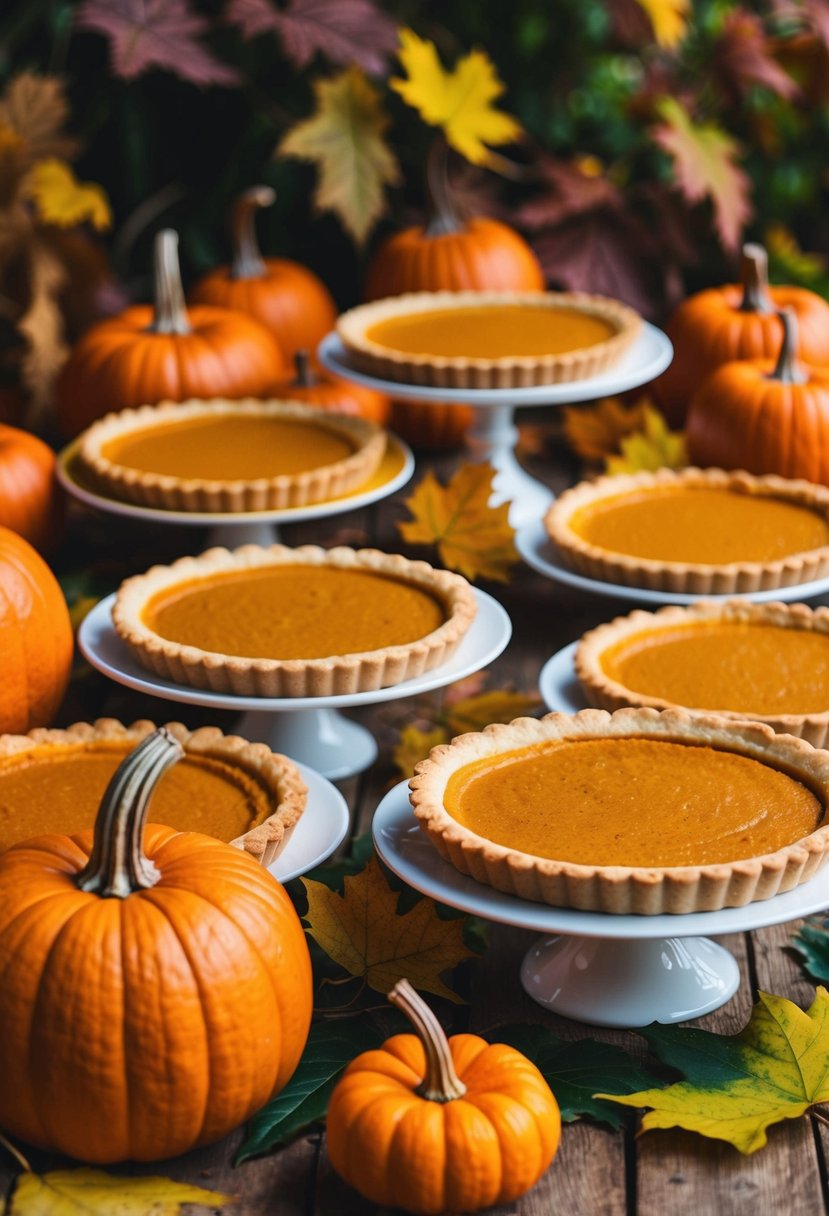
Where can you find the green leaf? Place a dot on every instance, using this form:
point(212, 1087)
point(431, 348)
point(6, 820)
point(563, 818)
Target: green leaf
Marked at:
point(575, 1071)
point(812, 942)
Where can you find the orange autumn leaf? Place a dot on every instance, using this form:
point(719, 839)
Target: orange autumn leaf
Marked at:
point(596, 432)
point(414, 745)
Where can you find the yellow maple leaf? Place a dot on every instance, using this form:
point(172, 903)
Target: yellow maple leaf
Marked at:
point(596, 431)
point(362, 932)
point(88, 1192)
point(344, 138)
point(496, 705)
point(653, 447)
point(62, 200)
point(472, 537)
point(415, 744)
point(669, 19)
point(460, 101)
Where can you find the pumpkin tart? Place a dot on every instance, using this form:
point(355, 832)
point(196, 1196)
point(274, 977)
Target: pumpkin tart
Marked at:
point(228, 456)
point(696, 531)
point(280, 622)
point(240, 792)
point(640, 811)
point(472, 339)
point(759, 662)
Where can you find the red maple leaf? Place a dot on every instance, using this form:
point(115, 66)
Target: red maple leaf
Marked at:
point(742, 59)
point(568, 191)
point(344, 31)
point(145, 34)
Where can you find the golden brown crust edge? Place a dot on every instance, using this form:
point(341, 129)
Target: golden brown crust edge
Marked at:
point(622, 890)
point(279, 776)
point(603, 692)
point(338, 674)
point(679, 577)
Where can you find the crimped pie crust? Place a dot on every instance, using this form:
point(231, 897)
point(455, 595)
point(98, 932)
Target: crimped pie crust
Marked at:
point(507, 372)
point(257, 494)
point(278, 775)
point(623, 890)
point(603, 692)
point(682, 577)
point(359, 672)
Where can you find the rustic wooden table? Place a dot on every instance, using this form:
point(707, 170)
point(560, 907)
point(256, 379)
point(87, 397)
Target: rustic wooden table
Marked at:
point(597, 1172)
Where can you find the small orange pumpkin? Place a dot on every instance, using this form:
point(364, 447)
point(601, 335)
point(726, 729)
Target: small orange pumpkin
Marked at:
point(431, 1124)
point(763, 417)
point(165, 353)
point(286, 297)
point(736, 321)
point(330, 392)
point(31, 501)
point(154, 996)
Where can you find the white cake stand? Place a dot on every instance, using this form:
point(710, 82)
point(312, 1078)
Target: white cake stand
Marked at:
point(622, 971)
point(538, 551)
point(493, 436)
point(322, 827)
point(243, 527)
point(308, 729)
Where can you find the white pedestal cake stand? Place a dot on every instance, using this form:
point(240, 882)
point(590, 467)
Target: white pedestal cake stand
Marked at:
point(244, 527)
point(493, 436)
point(622, 971)
point(308, 729)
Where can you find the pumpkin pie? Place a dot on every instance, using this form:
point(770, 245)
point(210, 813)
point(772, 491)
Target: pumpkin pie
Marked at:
point(761, 662)
point(696, 531)
point(240, 792)
point(228, 456)
point(640, 811)
point(486, 340)
point(280, 622)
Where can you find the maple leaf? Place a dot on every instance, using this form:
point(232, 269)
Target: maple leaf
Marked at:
point(669, 20)
point(344, 138)
point(571, 187)
point(460, 101)
point(42, 327)
point(35, 107)
point(363, 933)
point(472, 537)
point(735, 1087)
point(705, 167)
point(742, 59)
point(62, 200)
point(652, 447)
point(88, 1192)
point(344, 31)
point(495, 705)
point(596, 431)
point(145, 34)
point(414, 745)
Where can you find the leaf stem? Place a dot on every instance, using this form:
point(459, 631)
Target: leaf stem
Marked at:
point(16, 1153)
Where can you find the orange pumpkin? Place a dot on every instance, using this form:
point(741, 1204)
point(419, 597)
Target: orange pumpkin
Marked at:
point(31, 502)
point(284, 296)
point(330, 392)
point(165, 353)
point(764, 417)
point(434, 1125)
point(35, 638)
point(736, 321)
point(154, 996)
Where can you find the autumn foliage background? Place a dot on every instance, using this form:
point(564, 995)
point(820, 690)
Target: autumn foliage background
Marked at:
point(654, 136)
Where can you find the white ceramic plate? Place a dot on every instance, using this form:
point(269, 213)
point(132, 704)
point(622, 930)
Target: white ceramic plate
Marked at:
point(321, 829)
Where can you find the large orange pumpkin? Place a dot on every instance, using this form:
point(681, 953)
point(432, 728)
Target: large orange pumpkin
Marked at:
point(736, 321)
point(31, 501)
point(330, 392)
point(154, 996)
point(165, 353)
point(284, 296)
point(35, 638)
point(764, 417)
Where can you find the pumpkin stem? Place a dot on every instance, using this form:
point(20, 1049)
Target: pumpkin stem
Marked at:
point(787, 370)
point(444, 216)
point(247, 258)
point(304, 377)
point(754, 275)
point(170, 314)
point(117, 865)
point(441, 1083)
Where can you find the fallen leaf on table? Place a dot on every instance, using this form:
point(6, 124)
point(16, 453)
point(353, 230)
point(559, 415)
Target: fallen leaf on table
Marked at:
point(669, 19)
point(596, 431)
point(652, 447)
point(64, 201)
point(496, 705)
point(88, 1192)
point(344, 31)
point(414, 745)
point(472, 537)
point(735, 1087)
point(812, 942)
point(362, 931)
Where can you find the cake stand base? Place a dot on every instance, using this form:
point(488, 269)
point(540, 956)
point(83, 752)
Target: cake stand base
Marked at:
point(321, 738)
point(629, 983)
point(492, 438)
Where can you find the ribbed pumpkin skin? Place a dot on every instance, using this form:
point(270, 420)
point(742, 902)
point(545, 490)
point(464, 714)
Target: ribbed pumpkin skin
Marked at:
point(139, 1028)
point(338, 396)
point(741, 419)
point(120, 364)
point(31, 501)
point(35, 639)
point(401, 1150)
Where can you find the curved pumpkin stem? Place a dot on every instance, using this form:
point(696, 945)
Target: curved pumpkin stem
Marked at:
point(247, 258)
point(170, 313)
point(754, 275)
point(117, 865)
point(441, 1083)
point(444, 216)
point(787, 369)
point(303, 377)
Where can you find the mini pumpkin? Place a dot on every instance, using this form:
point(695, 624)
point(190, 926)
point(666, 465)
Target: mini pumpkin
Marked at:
point(165, 353)
point(764, 417)
point(431, 1124)
point(330, 392)
point(31, 501)
point(286, 297)
point(736, 321)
